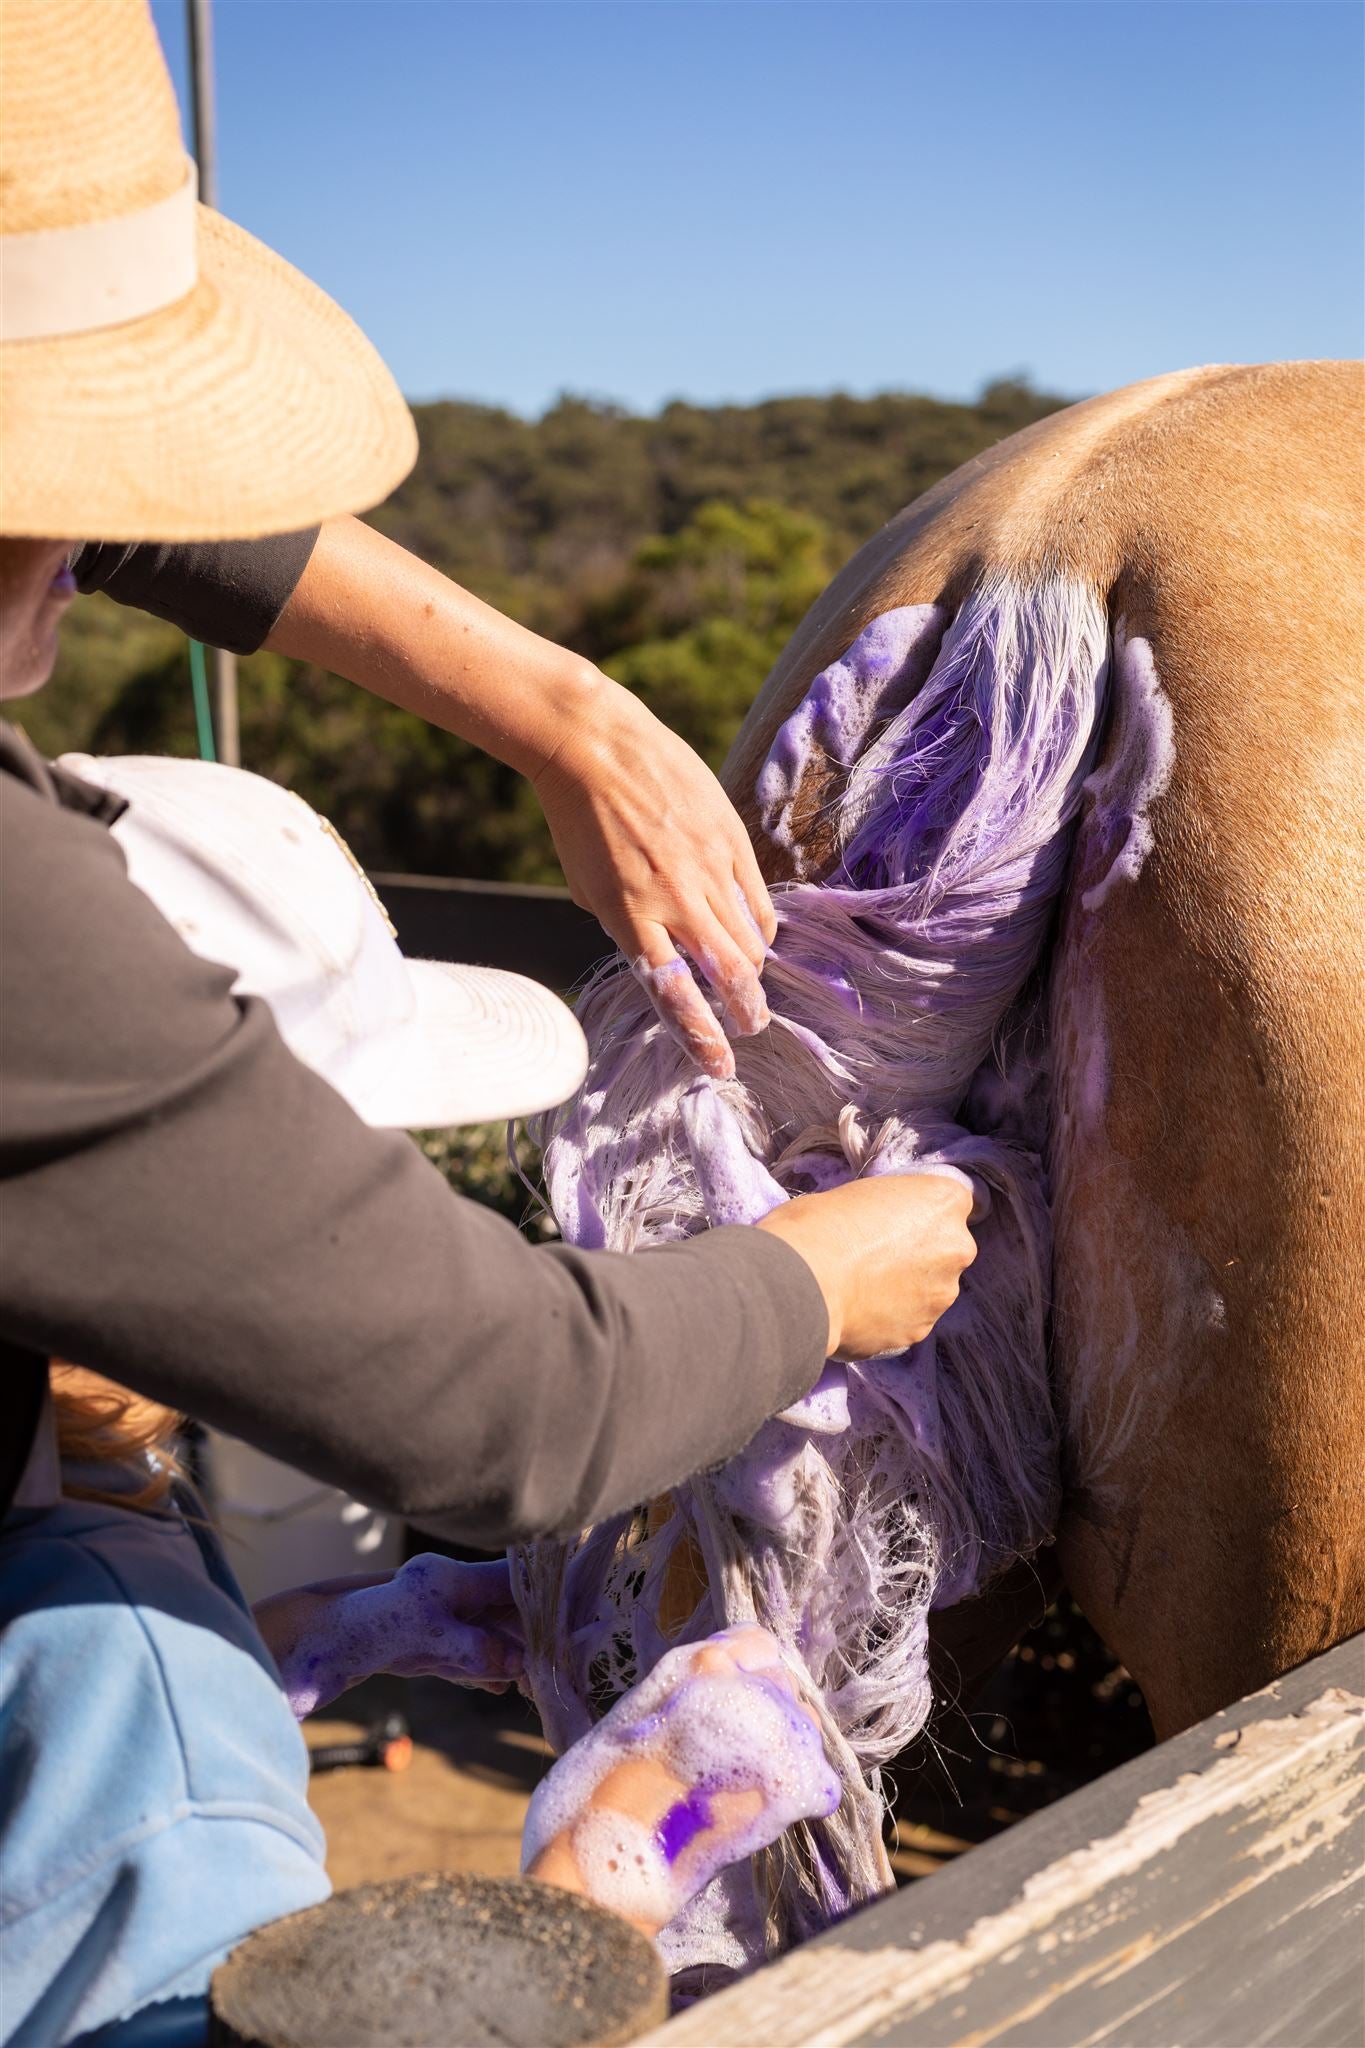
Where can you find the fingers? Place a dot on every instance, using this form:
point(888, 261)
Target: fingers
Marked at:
point(957, 1191)
point(485, 1659)
point(737, 921)
point(753, 893)
point(707, 1760)
point(467, 1589)
point(733, 973)
point(681, 1004)
point(412, 1623)
point(745, 1648)
point(684, 1011)
point(887, 1252)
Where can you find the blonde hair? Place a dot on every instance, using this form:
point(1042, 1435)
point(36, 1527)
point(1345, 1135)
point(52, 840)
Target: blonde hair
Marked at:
point(102, 1423)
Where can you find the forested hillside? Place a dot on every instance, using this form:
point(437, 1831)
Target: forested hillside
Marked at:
point(677, 551)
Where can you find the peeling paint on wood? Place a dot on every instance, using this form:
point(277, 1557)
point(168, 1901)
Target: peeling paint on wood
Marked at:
point(1209, 1894)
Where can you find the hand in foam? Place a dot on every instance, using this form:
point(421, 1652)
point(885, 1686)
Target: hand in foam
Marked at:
point(706, 1761)
point(431, 1619)
point(685, 1012)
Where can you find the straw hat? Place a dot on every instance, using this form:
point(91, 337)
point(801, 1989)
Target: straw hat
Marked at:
point(163, 376)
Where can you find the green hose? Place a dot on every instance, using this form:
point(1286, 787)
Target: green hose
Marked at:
point(203, 716)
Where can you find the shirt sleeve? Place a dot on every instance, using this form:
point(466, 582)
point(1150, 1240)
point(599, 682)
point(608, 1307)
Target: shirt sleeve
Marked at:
point(188, 1209)
point(227, 593)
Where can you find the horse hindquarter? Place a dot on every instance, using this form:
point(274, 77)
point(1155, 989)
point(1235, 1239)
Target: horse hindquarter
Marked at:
point(1207, 1157)
point(1208, 1147)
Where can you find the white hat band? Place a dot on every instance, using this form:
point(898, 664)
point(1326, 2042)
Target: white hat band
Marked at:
point(100, 273)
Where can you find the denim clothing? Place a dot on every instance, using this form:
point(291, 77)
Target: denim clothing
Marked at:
point(153, 1782)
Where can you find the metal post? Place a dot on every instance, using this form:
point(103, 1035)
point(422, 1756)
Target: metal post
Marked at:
point(200, 24)
point(226, 728)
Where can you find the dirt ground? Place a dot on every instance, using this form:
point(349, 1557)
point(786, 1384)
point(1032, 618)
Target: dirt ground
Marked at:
point(1058, 1714)
point(460, 1803)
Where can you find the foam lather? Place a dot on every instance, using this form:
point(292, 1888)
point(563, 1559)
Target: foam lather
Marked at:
point(714, 1724)
point(952, 755)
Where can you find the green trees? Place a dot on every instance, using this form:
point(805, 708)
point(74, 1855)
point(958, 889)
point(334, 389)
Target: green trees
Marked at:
point(679, 552)
point(705, 613)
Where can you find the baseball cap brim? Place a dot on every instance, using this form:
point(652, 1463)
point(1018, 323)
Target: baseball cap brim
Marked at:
point(482, 1046)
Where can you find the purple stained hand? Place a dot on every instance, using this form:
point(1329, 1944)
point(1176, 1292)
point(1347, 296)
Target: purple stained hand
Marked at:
point(706, 1761)
point(686, 1014)
point(690, 1019)
point(433, 1618)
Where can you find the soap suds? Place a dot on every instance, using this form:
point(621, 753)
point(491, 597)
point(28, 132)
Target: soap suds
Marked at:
point(876, 678)
point(1119, 796)
point(433, 1618)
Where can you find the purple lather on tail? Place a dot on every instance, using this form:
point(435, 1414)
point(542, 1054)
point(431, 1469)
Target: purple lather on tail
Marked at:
point(900, 986)
point(877, 677)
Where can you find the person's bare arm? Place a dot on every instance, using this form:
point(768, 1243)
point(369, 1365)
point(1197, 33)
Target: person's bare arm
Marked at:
point(432, 1618)
point(648, 840)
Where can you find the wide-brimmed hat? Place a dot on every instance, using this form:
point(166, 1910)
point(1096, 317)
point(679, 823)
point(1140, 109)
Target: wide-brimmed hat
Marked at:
point(163, 376)
point(254, 879)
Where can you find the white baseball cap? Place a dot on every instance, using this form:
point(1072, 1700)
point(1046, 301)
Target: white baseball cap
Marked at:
point(252, 878)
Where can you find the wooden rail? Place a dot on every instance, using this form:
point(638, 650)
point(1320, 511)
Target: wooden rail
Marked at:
point(539, 932)
point(1210, 1894)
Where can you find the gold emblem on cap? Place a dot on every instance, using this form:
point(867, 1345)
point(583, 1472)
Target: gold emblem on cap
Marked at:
point(326, 825)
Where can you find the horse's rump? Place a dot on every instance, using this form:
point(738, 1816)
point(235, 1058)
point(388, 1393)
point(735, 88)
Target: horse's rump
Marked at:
point(923, 786)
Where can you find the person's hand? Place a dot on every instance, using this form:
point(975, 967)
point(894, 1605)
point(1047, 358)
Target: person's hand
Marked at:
point(648, 839)
point(652, 846)
point(887, 1253)
point(709, 1759)
point(433, 1618)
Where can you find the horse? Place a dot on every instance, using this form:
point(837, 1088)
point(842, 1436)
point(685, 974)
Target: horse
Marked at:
point(1206, 996)
point(1106, 680)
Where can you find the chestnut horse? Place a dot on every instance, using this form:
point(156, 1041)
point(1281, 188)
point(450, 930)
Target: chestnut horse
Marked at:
point(1207, 1006)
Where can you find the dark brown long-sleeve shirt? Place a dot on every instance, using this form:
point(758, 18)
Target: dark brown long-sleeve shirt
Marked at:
point(228, 593)
point(185, 1207)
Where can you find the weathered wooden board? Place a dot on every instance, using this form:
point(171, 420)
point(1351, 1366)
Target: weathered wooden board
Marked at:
point(1210, 1894)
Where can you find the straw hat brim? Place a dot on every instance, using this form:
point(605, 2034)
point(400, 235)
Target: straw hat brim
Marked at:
point(252, 406)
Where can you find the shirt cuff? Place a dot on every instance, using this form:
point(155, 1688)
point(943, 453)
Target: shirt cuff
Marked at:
point(227, 593)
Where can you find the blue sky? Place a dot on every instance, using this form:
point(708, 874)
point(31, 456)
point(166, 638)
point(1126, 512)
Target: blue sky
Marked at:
point(723, 199)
